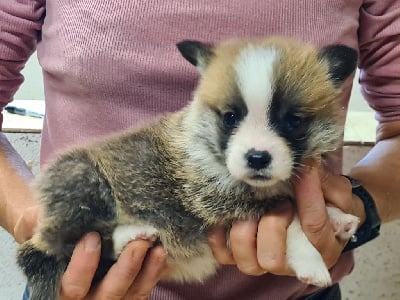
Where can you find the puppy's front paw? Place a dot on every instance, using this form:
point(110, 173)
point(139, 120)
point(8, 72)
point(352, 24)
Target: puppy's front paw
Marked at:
point(314, 273)
point(304, 259)
point(123, 234)
point(345, 225)
point(308, 265)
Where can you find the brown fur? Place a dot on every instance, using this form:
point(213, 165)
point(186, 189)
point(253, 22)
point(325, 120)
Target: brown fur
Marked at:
point(151, 176)
point(299, 67)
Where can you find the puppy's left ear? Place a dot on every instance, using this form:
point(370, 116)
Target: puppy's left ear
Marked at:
point(197, 53)
point(341, 60)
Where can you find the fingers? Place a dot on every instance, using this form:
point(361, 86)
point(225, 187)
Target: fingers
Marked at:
point(218, 244)
point(154, 267)
point(78, 276)
point(311, 208)
point(257, 247)
point(123, 273)
point(243, 237)
point(310, 202)
point(133, 276)
point(271, 240)
point(338, 192)
point(260, 247)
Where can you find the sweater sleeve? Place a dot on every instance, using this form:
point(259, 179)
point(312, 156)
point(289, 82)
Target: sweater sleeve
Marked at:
point(379, 42)
point(20, 26)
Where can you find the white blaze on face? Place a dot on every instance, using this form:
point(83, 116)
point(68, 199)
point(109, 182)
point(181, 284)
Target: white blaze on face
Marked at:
point(255, 78)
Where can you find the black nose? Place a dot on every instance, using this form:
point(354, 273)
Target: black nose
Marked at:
point(258, 159)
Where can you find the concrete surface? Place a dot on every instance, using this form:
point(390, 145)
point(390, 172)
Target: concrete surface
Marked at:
point(376, 275)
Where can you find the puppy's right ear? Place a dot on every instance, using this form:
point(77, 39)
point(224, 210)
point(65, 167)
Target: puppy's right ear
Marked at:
point(197, 53)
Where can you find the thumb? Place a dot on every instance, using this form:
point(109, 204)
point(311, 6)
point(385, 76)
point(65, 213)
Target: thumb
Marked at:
point(78, 276)
point(313, 216)
point(26, 224)
point(310, 201)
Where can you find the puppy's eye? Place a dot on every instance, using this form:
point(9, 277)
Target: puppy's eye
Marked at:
point(231, 119)
point(293, 121)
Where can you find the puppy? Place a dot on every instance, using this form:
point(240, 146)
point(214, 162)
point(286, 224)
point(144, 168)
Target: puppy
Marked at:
point(261, 107)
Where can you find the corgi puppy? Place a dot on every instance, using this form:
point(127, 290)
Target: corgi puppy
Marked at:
point(261, 107)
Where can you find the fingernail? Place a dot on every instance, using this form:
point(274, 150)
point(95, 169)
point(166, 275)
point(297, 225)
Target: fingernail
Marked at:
point(92, 242)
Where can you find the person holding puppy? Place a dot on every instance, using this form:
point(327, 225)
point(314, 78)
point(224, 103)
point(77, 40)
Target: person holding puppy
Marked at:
point(109, 66)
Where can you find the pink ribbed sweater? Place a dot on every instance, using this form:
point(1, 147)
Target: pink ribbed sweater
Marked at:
point(108, 65)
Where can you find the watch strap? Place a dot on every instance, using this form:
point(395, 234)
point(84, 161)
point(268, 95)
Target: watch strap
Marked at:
point(371, 227)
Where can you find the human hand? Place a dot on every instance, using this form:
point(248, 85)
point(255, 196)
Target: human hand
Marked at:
point(314, 190)
point(260, 247)
point(26, 224)
point(133, 276)
point(256, 247)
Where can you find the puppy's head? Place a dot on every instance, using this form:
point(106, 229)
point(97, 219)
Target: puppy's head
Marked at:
point(262, 106)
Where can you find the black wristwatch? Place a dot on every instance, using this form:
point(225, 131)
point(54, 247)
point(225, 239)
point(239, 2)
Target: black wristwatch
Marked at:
point(371, 227)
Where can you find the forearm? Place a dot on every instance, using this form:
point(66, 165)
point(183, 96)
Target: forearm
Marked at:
point(379, 171)
point(15, 192)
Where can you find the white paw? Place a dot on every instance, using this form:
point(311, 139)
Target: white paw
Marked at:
point(314, 273)
point(123, 234)
point(345, 225)
point(304, 259)
point(309, 267)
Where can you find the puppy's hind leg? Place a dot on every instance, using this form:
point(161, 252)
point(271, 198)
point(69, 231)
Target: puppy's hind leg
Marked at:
point(43, 271)
point(76, 199)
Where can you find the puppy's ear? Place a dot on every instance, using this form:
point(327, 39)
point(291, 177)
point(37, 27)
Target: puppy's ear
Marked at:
point(341, 60)
point(197, 53)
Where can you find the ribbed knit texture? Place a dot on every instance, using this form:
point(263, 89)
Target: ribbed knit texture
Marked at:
point(109, 65)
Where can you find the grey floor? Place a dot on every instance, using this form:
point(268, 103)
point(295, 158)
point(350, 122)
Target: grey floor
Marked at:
point(376, 274)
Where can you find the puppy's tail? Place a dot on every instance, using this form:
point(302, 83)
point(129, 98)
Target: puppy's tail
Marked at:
point(43, 271)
